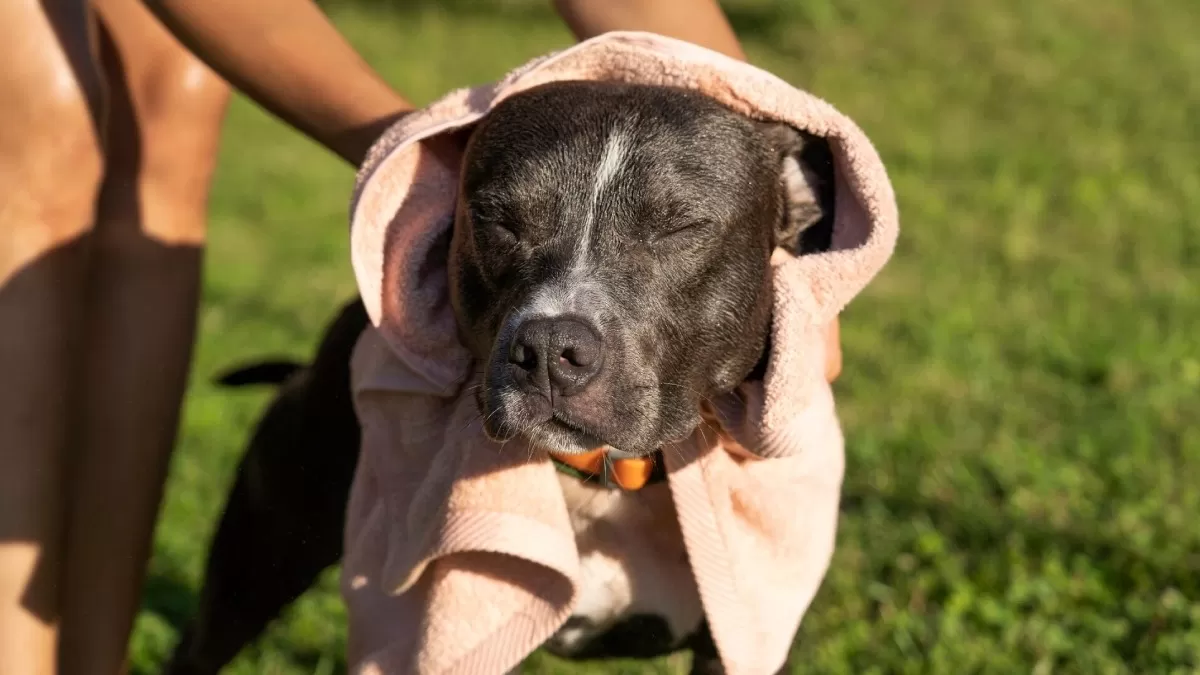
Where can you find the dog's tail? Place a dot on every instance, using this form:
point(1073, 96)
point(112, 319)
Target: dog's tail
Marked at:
point(274, 371)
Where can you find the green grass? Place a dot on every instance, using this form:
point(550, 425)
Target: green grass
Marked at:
point(1021, 386)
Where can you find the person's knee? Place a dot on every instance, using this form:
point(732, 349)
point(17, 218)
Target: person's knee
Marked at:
point(180, 106)
point(168, 105)
point(181, 128)
point(51, 160)
point(54, 153)
point(177, 107)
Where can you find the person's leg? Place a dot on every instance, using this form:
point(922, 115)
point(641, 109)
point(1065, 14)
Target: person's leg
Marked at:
point(50, 169)
point(165, 114)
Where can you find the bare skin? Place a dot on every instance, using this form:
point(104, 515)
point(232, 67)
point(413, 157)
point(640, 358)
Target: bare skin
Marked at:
point(165, 108)
point(51, 165)
point(108, 137)
point(97, 240)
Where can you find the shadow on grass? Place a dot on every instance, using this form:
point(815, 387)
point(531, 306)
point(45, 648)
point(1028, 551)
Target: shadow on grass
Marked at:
point(173, 600)
point(170, 597)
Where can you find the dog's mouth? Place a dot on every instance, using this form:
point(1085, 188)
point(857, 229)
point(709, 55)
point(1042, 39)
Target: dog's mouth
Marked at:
point(555, 431)
point(585, 436)
point(588, 440)
point(560, 434)
point(551, 433)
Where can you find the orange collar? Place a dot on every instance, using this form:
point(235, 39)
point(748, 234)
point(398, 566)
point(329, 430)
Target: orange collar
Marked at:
point(628, 474)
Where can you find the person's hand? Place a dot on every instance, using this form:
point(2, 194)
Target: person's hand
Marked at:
point(700, 22)
point(833, 351)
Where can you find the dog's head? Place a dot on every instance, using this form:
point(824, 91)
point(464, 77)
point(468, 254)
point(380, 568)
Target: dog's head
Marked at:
point(610, 258)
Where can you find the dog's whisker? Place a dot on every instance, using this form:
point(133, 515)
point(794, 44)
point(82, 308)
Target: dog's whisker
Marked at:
point(477, 417)
point(690, 390)
point(678, 452)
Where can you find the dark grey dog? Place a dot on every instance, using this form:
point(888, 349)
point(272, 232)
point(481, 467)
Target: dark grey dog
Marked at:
point(609, 270)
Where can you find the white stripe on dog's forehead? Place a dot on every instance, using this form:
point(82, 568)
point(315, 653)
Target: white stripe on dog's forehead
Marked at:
point(577, 292)
point(612, 160)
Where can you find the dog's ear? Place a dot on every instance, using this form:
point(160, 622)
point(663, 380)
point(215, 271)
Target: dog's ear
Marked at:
point(806, 178)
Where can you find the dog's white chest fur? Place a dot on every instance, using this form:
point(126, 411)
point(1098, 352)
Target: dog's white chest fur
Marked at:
point(632, 560)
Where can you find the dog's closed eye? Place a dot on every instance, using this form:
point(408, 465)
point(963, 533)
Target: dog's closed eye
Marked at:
point(493, 224)
point(681, 232)
point(501, 233)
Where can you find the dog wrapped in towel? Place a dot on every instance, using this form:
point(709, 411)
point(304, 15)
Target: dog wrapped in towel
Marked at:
point(468, 546)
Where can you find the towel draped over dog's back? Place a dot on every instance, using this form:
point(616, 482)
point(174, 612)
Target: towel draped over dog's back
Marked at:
point(460, 556)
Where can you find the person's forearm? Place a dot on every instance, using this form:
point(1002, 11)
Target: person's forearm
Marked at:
point(290, 59)
point(700, 22)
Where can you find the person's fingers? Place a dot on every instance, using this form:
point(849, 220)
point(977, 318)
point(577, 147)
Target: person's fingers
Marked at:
point(833, 351)
point(700, 22)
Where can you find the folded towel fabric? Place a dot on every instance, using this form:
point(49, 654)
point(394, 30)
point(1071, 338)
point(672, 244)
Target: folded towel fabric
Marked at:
point(460, 557)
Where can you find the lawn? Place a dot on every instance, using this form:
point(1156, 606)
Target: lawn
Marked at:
point(1022, 480)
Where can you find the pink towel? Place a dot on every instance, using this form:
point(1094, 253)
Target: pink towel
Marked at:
point(460, 557)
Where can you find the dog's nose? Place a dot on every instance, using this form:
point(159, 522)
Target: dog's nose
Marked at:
point(557, 356)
